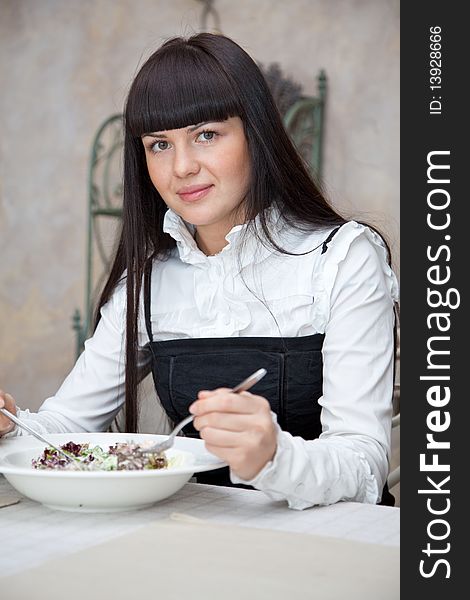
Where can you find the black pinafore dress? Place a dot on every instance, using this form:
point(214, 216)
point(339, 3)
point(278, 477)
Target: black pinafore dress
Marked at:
point(292, 385)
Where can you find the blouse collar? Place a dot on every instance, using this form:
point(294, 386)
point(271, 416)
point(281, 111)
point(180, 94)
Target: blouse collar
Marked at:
point(183, 233)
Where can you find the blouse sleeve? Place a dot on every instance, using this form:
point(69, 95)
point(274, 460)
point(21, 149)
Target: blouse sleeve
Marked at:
point(349, 461)
point(93, 392)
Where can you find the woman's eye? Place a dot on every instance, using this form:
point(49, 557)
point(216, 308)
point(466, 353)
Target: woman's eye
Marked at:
point(159, 146)
point(206, 136)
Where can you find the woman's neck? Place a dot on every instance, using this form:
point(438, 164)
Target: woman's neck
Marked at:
point(210, 239)
point(210, 243)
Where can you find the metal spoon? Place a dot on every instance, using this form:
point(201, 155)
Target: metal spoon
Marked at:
point(245, 385)
point(23, 425)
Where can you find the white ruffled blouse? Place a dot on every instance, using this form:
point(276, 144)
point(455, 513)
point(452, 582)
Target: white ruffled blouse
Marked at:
point(248, 289)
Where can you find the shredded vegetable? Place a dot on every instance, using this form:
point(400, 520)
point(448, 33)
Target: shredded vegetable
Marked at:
point(120, 457)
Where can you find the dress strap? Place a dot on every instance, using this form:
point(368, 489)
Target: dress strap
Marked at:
point(147, 294)
point(328, 239)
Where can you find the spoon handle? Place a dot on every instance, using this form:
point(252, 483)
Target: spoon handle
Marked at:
point(180, 426)
point(250, 381)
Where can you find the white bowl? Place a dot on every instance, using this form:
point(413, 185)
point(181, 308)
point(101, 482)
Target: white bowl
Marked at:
point(103, 491)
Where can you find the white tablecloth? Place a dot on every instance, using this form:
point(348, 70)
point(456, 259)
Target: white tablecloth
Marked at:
point(32, 534)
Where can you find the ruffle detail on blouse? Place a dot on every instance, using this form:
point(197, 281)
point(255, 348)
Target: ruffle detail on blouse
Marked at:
point(174, 225)
point(227, 318)
point(324, 277)
point(371, 491)
point(252, 249)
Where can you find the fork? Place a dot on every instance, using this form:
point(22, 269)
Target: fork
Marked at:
point(37, 435)
point(245, 385)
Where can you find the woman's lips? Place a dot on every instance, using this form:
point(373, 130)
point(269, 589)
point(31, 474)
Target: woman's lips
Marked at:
point(196, 194)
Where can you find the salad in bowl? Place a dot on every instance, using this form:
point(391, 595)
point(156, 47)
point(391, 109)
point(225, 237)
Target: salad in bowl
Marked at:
point(114, 473)
point(122, 456)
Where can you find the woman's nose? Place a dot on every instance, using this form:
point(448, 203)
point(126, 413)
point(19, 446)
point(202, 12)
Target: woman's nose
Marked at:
point(185, 162)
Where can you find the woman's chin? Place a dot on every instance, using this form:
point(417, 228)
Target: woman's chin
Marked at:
point(198, 216)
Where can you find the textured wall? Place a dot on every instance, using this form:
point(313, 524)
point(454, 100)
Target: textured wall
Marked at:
point(65, 65)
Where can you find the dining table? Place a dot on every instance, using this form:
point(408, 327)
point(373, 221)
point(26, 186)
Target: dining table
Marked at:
point(204, 541)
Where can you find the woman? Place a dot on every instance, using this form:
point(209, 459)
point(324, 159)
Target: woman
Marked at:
point(231, 260)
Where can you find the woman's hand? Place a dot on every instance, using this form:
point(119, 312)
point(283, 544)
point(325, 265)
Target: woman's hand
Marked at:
point(238, 428)
point(6, 401)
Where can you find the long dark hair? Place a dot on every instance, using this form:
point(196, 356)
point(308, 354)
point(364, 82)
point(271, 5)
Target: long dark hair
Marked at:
point(206, 77)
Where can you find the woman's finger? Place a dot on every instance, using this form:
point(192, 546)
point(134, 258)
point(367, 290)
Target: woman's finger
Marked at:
point(6, 401)
point(222, 438)
point(227, 421)
point(226, 401)
point(245, 461)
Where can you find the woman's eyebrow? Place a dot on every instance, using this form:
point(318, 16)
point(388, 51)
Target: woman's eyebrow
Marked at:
point(190, 129)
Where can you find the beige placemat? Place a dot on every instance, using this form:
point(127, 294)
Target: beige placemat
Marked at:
point(8, 498)
point(175, 559)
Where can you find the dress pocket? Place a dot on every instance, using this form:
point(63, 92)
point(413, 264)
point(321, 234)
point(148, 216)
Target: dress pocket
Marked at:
point(208, 371)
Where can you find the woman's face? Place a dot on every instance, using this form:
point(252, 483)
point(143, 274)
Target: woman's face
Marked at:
point(202, 172)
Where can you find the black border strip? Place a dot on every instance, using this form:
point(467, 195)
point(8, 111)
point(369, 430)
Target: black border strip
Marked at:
point(433, 272)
